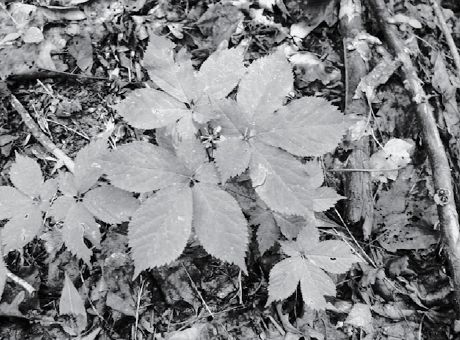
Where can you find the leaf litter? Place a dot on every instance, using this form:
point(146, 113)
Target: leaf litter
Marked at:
point(404, 238)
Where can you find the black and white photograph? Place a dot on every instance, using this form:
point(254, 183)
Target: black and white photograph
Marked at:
point(229, 170)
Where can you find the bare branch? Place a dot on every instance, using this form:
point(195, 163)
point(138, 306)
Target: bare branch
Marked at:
point(447, 33)
point(442, 178)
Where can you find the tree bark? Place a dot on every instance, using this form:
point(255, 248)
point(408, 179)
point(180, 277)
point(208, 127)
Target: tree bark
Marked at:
point(358, 185)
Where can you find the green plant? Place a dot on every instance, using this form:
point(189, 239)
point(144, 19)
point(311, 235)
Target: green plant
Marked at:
point(23, 204)
point(209, 139)
point(187, 196)
point(83, 200)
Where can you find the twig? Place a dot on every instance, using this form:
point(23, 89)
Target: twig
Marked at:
point(284, 318)
point(276, 324)
point(442, 179)
point(74, 75)
point(198, 292)
point(23, 283)
point(40, 136)
point(4, 269)
point(2, 6)
point(70, 129)
point(369, 259)
point(138, 306)
point(240, 289)
point(364, 170)
point(45, 74)
point(447, 34)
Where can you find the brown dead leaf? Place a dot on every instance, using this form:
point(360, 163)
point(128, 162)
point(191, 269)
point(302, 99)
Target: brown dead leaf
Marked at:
point(81, 49)
point(378, 76)
point(54, 13)
point(219, 22)
point(196, 332)
point(313, 68)
point(361, 317)
point(12, 309)
point(314, 13)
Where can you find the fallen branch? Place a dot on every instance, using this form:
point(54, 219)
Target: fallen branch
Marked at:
point(47, 74)
point(358, 185)
point(364, 170)
point(442, 179)
point(447, 33)
point(23, 283)
point(40, 135)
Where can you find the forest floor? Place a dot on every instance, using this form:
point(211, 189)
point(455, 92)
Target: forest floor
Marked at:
point(68, 62)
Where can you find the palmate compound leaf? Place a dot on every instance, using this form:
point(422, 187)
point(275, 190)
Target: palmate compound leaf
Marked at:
point(188, 196)
point(106, 203)
point(257, 127)
point(23, 205)
point(78, 222)
point(217, 77)
point(314, 283)
point(187, 94)
point(310, 257)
